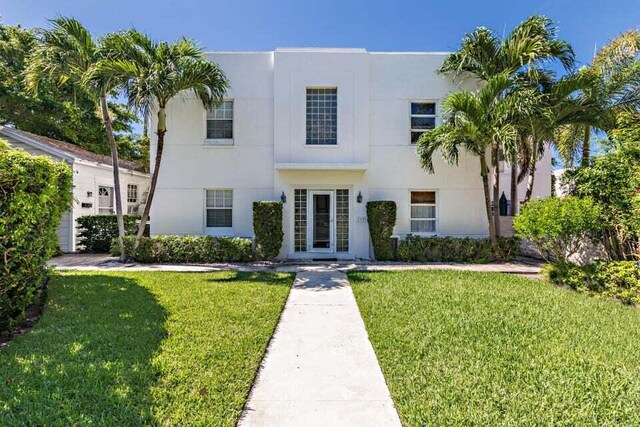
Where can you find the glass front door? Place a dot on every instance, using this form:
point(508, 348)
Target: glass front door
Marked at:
point(321, 221)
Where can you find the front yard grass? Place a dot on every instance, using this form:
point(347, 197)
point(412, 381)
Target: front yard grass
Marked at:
point(141, 348)
point(463, 348)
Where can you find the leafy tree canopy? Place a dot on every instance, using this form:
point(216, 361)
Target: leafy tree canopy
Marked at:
point(65, 112)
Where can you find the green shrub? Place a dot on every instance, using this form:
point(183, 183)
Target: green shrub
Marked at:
point(617, 279)
point(455, 249)
point(95, 232)
point(187, 249)
point(34, 191)
point(559, 226)
point(267, 227)
point(381, 216)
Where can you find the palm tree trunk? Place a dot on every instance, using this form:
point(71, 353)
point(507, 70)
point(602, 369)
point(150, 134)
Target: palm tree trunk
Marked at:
point(514, 190)
point(586, 146)
point(116, 173)
point(532, 170)
point(495, 167)
point(161, 130)
point(484, 172)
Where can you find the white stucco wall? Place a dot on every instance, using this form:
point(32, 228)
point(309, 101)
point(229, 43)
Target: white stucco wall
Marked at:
point(87, 177)
point(268, 89)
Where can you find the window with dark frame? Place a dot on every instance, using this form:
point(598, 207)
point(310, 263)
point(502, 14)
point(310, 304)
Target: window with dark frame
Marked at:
point(423, 118)
point(219, 206)
point(220, 121)
point(322, 116)
point(423, 211)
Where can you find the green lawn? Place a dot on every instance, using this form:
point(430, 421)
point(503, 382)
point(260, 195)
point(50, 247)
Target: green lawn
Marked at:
point(124, 349)
point(461, 348)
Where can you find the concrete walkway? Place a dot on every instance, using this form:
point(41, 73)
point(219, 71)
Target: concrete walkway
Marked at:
point(320, 368)
point(529, 268)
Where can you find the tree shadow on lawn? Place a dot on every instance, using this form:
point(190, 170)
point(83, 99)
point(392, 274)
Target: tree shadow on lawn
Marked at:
point(89, 358)
point(269, 278)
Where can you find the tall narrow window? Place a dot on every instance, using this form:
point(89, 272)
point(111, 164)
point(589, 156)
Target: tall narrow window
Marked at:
point(300, 220)
point(342, 220)
point(105, 200)
point(423, 211)
point(322, 116)
point(220, 208)
point(132, 198)
point(423, 118)
point(220, 122)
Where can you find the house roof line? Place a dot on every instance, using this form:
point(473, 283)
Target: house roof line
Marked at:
point(65, 150)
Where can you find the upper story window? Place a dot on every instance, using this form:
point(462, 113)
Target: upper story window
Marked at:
point(423, 118)
point(219, 208)
point(322, 116)
point(220, 122)
point(423, 211)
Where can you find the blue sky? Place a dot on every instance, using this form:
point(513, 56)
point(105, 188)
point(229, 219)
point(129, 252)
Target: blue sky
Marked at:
point(425, 25)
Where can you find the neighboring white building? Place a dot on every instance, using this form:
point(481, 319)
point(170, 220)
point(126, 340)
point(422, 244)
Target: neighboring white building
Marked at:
point(92, 180)
point(328, 129)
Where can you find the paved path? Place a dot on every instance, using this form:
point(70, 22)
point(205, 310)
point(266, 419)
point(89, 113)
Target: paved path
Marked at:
point(320, 368)
point(530, 268)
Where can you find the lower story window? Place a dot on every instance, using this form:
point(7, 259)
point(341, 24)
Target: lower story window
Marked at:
point(105, 200)
point(132, 198)
point(219, 205)
point(423, 211)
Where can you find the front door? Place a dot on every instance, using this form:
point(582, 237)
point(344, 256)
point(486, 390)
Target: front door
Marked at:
point(321, 214)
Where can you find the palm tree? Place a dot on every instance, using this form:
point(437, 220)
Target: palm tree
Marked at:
point(564, 103)
point(480, 122)
point(616, 89)
point(69, 54)
point(153, 73)
point(522, 54)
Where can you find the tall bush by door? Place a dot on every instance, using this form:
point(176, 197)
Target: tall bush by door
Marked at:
point(381, 216)
point(267, 227)
point(34, 191)
point(95, 232)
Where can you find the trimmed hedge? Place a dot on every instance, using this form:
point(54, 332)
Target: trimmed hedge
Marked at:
point(381, 216)
point(34, 192)
point(617, 279)
point(95, 232)
point(187, 249)
point(454, 249)
point(267, 227)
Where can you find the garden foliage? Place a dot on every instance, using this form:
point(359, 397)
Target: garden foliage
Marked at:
point(454, 249)
point(559, 227)
point(95, 232)
point(381, 216)
point(616, 279)
point(34, 192)
point(187, 249)
point(267, 227)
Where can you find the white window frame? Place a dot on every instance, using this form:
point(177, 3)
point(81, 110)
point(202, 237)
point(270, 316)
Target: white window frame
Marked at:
point(132, 207)
point(220, 142)
point(434, 116)
point(435, 220)
point(112, 197)
point(218, 231)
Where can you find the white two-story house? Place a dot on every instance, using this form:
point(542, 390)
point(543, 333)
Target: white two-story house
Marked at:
point(325, 131)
